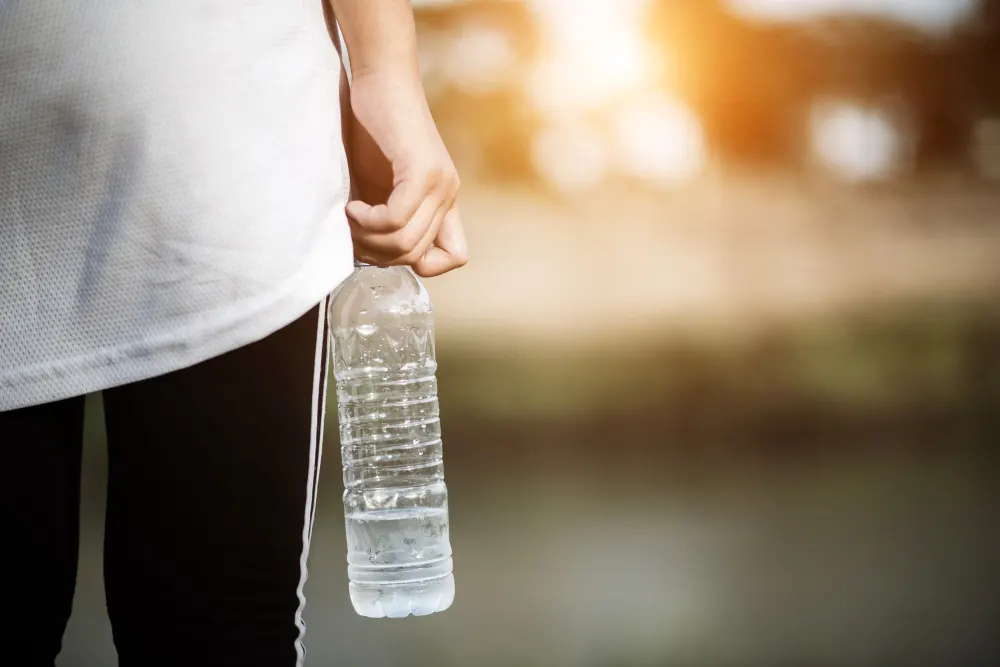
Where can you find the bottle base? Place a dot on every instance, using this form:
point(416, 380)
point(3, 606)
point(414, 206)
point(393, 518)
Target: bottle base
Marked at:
point(418, 598)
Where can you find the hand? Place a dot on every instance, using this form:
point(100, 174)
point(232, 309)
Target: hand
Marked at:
point(405, 184)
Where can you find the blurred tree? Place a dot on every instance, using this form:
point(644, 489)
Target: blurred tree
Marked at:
point(752, 82)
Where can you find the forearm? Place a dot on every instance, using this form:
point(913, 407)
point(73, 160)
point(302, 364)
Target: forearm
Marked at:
point(380, 36)
point(403, 208)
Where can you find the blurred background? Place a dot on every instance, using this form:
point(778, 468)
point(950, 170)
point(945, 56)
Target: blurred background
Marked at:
point(721, 385)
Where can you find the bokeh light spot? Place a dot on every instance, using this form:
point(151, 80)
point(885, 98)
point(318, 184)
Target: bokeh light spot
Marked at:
point(571, 156)
point(479, 59)
point(660, 140)
point(856, 143)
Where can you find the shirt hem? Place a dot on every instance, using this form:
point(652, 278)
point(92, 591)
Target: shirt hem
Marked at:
point(203, 337)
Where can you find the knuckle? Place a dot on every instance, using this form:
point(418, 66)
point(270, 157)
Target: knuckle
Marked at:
point(405, 241)
point(396, 247)
point(435, 176)
point(411, 257)
point(449, 174)
point(395, 222)
point(413, 239)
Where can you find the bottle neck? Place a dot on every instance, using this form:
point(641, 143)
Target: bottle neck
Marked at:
point(358, 264)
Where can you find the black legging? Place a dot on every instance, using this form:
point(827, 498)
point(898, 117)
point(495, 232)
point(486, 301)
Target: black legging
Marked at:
point(212, 481)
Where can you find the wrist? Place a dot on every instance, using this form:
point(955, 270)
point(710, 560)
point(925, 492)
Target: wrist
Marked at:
point(389, 93)
point(404, 78)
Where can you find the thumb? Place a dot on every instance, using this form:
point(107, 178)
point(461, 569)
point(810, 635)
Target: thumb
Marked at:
point(449, 251)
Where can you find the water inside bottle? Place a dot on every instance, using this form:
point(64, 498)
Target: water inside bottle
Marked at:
point(400, 562)
point(409, 536)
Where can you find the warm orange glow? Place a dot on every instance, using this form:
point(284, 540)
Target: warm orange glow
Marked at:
point(591, 57)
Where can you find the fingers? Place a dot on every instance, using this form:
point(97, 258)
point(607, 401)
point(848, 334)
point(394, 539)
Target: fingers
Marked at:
point(404, 229)
point(406, 245)
point(396, 213)
point(449, 251)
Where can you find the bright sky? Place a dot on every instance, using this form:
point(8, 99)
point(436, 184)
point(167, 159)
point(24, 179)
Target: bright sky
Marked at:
point(929, 14)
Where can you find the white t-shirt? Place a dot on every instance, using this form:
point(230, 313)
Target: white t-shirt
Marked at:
point(172, 185)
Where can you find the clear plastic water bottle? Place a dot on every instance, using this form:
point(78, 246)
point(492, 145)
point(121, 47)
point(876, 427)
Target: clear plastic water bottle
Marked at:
point(395, 501)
